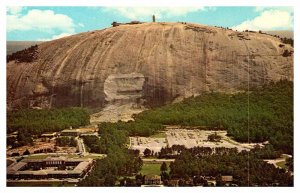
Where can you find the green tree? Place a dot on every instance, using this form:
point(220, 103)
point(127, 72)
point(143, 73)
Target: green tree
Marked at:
point(147, 152)
point(163, 167)
point(26, 152)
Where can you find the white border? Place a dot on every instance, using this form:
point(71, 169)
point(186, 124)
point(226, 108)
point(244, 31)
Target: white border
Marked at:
point(156, 3)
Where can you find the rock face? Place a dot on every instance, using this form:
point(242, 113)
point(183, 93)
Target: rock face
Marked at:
point(146, 64)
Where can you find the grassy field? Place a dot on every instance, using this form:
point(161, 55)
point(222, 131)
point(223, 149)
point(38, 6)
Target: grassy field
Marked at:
point(36, 157)
point(150, 168)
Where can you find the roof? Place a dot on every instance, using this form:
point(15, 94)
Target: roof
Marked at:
point(49, 134)
point(37, 172)
point(81, 166)
point(84, 163)
point(57, 172)
point(16, 167)
point(60, 158)
point(69, 130)
point(227, 178)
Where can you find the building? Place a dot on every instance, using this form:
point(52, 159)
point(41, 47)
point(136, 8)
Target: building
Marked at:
point(49, 135)
point(211, 182)
point(173, 183)
point(152, 179)
point(227, 180)
point(50, 167)
point(115, 24)
point(70, 132)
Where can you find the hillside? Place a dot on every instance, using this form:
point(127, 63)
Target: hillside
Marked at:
point(282, 33)
point(263, 114)
point(144, 65)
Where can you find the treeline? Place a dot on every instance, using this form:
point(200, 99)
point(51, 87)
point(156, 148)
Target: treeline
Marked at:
point(26, 55)
point(266, 152)
point(119, 161)
point(263, 114)
point(36, 122)
point(239, 165)
point(288, 41)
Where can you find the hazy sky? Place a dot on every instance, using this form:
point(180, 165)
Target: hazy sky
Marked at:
point(46, 23)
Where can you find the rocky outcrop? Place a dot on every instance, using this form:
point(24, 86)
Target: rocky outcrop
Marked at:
point(148, 64)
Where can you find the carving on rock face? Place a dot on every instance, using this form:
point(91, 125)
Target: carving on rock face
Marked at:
point(124, 88)
point(124, 95)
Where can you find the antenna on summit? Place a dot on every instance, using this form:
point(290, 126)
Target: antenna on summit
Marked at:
point(153, 18)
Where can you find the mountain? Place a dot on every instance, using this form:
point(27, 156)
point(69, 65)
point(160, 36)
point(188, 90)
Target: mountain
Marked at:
point(14, 46)
point(282, 33)
point(144, 64)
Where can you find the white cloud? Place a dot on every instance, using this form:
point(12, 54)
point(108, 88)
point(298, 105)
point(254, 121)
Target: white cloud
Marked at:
point(283, 8)
point(142, 13)
point(14, 10)
point(43, 20)
point(268, 20)
point(56, 37)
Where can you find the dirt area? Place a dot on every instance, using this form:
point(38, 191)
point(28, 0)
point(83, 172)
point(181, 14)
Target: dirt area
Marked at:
point(141, 143)
point(114, 113)
point(279, 162)
point(188, 138)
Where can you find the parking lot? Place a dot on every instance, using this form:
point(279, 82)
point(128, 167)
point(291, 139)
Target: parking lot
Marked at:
point(188, 138)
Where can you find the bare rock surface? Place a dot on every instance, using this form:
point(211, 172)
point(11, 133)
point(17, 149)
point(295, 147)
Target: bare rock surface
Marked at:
point(145, 65)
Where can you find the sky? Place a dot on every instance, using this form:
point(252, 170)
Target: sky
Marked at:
point(48, 23)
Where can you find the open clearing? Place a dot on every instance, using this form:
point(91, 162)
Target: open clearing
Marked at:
point(188, 138)
point(152, 168)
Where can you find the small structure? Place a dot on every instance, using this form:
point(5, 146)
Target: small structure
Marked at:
point(70, 132)
point(115, 24)
point(49, 135)
point(211, 182)
point(227, 180)
point(173, 183)
point(134, 22)
point(152, 179)
point(153, 18)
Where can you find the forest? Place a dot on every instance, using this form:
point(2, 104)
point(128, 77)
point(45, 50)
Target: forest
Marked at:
point(239, 165)
point(120, 161)
point(263, 114)
point(26, 55)
point(36, 122)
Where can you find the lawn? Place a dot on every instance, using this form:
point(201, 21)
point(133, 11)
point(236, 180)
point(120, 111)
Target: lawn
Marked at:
point(36, 157)
point(151, 168)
